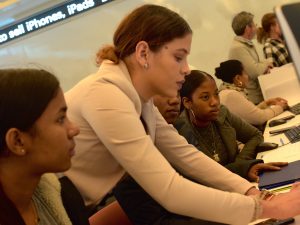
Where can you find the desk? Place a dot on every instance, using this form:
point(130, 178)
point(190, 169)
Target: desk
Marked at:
point(287, 153)
point(280, 139)
point(281, 82)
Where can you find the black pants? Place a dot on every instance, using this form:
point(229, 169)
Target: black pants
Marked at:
point(143, 210)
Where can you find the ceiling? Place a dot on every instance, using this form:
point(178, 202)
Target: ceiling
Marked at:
point(14, 10)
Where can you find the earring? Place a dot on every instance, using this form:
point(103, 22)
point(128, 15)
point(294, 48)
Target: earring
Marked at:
point(193, 114)
point(146, 66)
point(240, 84)
point(22, 151)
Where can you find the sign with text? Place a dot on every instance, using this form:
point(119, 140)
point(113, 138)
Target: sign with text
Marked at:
point(41, 20)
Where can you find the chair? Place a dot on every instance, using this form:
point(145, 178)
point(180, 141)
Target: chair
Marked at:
point(111, 214)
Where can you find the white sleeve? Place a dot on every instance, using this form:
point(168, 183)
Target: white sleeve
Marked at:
point(242, 107)
point(192, 162)
point(119, 127)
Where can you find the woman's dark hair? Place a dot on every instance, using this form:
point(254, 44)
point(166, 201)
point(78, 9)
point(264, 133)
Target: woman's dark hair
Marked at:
point(192, 82)
point(228, 70)
point(153, 24)
point(267, 21)
point(24, 95)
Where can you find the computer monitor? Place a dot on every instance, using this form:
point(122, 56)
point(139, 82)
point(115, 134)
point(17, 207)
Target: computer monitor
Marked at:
point(288, 16)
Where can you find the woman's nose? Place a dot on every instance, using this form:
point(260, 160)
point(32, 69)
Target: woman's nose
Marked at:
point(74, 130)
point(186, 69)
point(215, 101)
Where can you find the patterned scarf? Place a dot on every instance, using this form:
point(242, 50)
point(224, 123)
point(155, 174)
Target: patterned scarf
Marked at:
point(228, 86)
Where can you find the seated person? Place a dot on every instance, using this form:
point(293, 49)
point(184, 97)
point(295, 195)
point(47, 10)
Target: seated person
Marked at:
point(141, 208)
point(233, 95)
point(215, 131)
point(36, 141)
point(168, 107)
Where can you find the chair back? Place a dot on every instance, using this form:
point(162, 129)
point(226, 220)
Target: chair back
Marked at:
point(111, 214)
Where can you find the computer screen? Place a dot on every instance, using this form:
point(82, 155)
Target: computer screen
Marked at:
point(289, 17)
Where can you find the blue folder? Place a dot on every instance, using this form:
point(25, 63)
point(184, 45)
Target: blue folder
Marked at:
point(287, 175)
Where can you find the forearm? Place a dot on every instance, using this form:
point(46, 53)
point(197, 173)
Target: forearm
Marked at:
point(252, 191)
point(263, 105)
point(249, 150)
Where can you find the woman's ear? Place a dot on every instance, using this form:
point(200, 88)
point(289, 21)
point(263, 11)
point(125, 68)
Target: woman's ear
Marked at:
point(186, 103)
point(236, 79)
point(142, 51)
point(14, 141)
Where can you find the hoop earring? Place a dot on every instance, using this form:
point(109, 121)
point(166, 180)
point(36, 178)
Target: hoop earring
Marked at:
point(193, 114)
point(146, 66)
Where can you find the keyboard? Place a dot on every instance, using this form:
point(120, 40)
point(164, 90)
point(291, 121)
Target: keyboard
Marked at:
point(293, 134)
point(295, 109)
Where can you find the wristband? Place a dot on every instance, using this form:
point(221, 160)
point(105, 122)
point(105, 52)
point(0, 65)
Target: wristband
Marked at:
point(266, 195)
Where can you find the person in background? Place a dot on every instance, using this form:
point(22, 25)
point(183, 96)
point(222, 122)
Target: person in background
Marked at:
point(123, 133)
point(269, 34)
point(233, 96)
point(212, 129)
point(36, 140)
point(243, 49)
point(168, 107)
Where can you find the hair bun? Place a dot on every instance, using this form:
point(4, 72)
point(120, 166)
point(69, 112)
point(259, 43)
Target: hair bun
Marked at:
point(228, 70)
point(218, 73)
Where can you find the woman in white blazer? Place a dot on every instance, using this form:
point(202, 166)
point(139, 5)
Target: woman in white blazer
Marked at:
point(123, 133)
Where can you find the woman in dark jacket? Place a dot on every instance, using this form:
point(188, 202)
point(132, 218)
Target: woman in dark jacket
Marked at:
point(215, 131)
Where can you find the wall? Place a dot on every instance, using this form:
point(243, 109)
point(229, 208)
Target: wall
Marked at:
point(68, 48)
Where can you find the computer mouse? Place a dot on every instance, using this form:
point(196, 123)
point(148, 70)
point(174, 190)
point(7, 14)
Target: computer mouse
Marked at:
point(266, 146)
point(276, 122)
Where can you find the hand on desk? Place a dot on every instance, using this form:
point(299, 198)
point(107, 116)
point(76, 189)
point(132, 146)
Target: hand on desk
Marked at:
point(283, 205)
point(277, 101)
point(259, 167)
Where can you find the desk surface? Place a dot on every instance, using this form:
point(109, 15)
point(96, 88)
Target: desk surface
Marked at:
point(286, 151)
point(280, 139)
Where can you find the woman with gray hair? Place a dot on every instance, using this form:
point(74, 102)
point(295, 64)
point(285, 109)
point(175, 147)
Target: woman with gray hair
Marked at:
point(243, 49)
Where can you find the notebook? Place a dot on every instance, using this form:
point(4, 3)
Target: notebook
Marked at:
point(287, 175)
